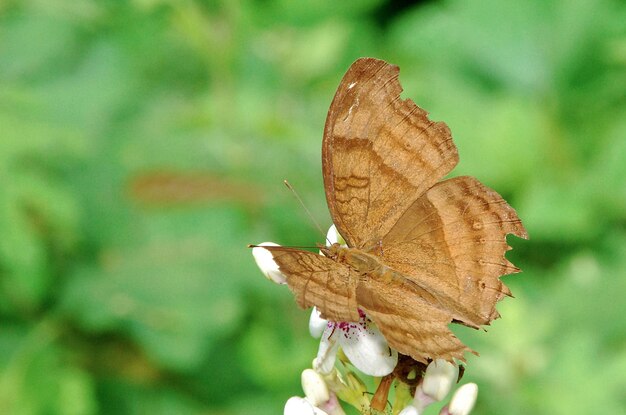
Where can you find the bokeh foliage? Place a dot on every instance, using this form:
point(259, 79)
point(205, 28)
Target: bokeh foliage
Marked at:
point(143, 144)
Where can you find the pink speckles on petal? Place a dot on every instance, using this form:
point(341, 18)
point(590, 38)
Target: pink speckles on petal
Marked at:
point(363, 344)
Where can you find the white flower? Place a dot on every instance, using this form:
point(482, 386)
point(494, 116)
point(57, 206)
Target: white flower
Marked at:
point(463, 400)
point(300, 406)
point(439, 377)
point(317, 324)
point(363, 344)
point(266, 263)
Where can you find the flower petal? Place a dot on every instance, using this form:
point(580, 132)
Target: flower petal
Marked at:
point(367, 348)
point(409, 410)
point(327, 352)
point(463, 400)
point(439, 377)
point(314, 387)
point(334, 237)
point(317, 324)
point(266, 263)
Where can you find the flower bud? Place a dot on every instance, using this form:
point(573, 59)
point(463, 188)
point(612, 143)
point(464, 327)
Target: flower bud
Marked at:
point(439, 377)
point(463, 399)
point(265, 261)
point(314, 387)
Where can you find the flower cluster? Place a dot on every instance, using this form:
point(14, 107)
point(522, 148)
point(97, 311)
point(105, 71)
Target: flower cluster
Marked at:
point(361, 345)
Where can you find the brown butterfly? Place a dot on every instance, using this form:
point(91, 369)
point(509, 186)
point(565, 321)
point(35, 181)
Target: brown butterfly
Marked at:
point(421, 252)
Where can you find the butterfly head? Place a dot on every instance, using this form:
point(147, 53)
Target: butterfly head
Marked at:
point(332, 251)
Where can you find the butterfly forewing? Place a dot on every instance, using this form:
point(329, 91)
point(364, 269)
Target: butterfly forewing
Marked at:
point(379, 152)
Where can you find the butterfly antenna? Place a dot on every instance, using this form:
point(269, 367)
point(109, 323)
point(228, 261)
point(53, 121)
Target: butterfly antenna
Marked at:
point(317, 225)
point(284, 247)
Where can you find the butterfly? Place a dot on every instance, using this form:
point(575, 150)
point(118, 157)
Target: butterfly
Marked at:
point(421, 252)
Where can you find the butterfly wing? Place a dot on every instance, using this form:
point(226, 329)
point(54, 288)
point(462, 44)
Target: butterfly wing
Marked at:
point(319, 281)
point(453, 240)
point(379, 153)
point(411, 324)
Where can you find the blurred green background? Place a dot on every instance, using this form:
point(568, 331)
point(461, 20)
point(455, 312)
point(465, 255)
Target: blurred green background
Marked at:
point(143, 144)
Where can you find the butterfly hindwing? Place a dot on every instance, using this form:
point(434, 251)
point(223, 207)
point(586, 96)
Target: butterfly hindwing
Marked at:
point(453, 239)
point(411, 325)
